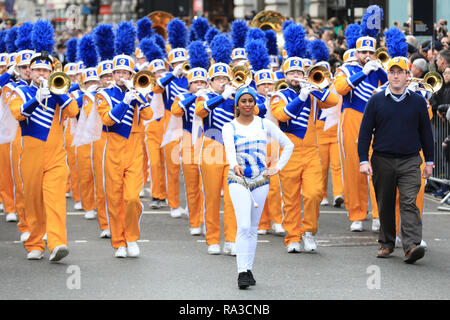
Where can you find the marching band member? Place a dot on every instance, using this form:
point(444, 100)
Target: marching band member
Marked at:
point(216, 109)
point(43, 160)
point(239, 32)
point(71, 70)
point(184, 107)
point(245, 139)
point(103, 39)
point(173, 84)
point(295, 109)
point(122, 111)
point(356, 83)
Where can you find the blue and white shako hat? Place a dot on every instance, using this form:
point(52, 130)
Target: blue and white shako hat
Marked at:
point(238, 53)
point(196, 74)
point(325, 64)
point(366, 44)
point(157, 65)
point(350, 55)
point(89, 74)
point(104, 67)
point(219, 69)
point(274, 61)
point(80, 66)
point(41, 60)
point(293, 63)
point(11, 59)
point(306, 63)
point(23, 57)
point(178, 55)
point(123, 62)
point(71, 68)
point(3, 59)
point(264, 76)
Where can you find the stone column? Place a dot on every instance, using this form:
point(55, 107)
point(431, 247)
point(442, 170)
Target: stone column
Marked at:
point(241, 7)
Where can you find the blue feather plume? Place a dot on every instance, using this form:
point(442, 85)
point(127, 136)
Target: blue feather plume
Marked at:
point(124, 42)
point(177, 33)
point(71, 50)
point(239, 30)
point(257, 54)
point(160, 42)
point(369, 22)
point(23, 40)
point(294, 40)
point(212, 32)
point(42, 36)
point(352, 33)
point(286, 24)
point(198, 56)
point(308, 51)
point(200, 27)
point(271, 44)
point(10, 40)
point(319, 51)
point(254, 34)
point(192, 35)
point(150, 49)
point(104, 41)
point(221, 48)
point(144, 28)
point(2, 41)
point(87, 52)
point(396, 43)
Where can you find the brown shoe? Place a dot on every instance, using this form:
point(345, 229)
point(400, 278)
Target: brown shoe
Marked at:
point(384, 252)
point(414, 254)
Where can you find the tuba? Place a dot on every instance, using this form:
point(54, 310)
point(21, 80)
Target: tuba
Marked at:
point(160, 19)
point(270, 20)
point(431, 82)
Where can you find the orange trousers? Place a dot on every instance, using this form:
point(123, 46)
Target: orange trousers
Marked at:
point(72, 163)
point(214, 173)
point(16, 150)
point(6, 179)
point(300, 178)
point(44, 173)
point(356, 184)
point(192, 179)
point(123, 181)
point(153, 139)
point(172, 157)
point(85, 176)
point(272, 207)
point(98, 148)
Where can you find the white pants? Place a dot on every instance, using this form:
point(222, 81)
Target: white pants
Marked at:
point(247, 218)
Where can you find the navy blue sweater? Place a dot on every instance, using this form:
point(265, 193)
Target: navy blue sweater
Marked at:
point(399, 129)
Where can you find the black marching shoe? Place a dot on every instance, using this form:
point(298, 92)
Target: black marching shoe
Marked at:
point(250, 275)
point(243, 280)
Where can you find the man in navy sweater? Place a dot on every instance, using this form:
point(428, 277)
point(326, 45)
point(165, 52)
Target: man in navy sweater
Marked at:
point(398, 121)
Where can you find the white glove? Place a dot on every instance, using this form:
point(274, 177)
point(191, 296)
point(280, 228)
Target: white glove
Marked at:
point(12, 69)
point(413, 86)
point(42, 94)
point(305, 91)
point(201, 92)
point(92, 88)
point(370, 66)
point(143, 66)
point(178, 70)
point(228, 92)
point(129, 96)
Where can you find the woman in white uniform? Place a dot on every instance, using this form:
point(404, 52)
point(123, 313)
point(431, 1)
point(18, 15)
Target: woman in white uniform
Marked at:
point(245, 139)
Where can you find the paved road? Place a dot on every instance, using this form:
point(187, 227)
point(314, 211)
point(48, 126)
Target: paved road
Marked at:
point(174, 265)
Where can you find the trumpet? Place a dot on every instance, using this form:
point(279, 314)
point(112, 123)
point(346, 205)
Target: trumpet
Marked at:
point(186, 67)
point(317, 76)
point(58, 83)
point(280, 85)
point(431, 82)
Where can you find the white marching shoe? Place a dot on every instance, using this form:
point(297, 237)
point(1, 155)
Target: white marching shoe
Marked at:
point(175, 213)
point(357, 226)
point(35, 255)
point(105, 234)
point(195, 231)
point(78, 206)
point(133, 249)
point(214, 249)
point(309, 243)
point(121, 252)
point(58, 253)
point(293, 247)
point(11, 217)
point(90, 215)
point(229, 248)
point(324, 202)
point(24, 236)
point(262, 231)
point(278, 229)
point(376, 225)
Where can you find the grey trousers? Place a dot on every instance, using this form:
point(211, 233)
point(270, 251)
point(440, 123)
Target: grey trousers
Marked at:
point(390, 174)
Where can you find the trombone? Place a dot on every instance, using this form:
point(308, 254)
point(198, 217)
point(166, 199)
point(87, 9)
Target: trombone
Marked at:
point(241, 76)
point(143, 82)
point(318, 76)
point(431, 82)
point(280, 85)
point(381, 57)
